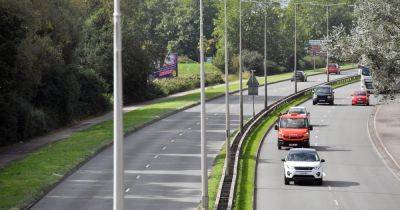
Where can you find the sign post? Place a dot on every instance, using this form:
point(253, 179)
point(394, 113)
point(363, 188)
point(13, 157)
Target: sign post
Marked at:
point(253, 85)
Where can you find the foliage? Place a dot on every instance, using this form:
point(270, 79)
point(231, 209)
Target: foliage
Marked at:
point(374, 42)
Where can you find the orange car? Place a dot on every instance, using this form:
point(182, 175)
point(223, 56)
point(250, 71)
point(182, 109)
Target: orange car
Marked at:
point(293, 131)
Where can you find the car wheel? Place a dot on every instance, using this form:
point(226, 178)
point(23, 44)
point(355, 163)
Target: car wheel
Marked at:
point(331, 103)
point(314, 102)
point(286, 180)
point(279, 147)
point(367, 104)
point(307, 145)
point(319, 181)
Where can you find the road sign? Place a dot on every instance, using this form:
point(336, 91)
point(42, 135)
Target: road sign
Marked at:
point(253, 84)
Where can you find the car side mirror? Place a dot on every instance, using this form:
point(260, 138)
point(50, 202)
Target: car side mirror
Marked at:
point(322, 160)
point(311, 128)
point(283, 159)
point(276, 127)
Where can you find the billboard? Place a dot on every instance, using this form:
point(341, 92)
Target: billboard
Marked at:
point(169, 68)
point(315, 48)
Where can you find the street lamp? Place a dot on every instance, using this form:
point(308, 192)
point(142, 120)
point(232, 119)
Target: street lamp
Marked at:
point(227, 112)
point(204, 176)
point(240, 71)
point(118, 190)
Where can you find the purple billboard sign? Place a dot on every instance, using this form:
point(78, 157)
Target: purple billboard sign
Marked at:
point(169, 68)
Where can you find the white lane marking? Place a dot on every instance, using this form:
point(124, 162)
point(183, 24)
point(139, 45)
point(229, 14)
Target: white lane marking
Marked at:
point(127, 190)
point(336, 202)
point(329, 187)
point(189, 128)
point(323, 174)
point(164, 147)
point(316, 137)
point(172, 140)
point(180, 134)
point(138, 177)
point(316, 144)
point(148, 166)
point(197, 123)
point(156, 156)
point(215, 114)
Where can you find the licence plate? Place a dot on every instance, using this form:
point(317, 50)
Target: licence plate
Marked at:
point(323, 100)
point(302, 173)
point(292, 145)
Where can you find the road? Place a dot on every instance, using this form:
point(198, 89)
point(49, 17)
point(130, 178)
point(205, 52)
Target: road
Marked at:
point(356, 177)
point(162, 161)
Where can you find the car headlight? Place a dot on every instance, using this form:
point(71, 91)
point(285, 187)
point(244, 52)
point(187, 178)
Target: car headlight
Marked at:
point(289, 167)
point(317, 168)
point(329, 97)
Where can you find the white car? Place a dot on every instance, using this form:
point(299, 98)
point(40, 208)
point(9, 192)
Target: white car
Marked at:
point(299, 110)
point(303, 164)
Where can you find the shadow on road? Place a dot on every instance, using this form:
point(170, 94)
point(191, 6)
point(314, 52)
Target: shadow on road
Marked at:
point(333, 183)
point(330, 149)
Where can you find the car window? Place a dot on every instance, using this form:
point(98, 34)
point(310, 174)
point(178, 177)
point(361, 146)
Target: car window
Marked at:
point(365, 71)
point(323, 90)
point(297, 110)
point(360, 93)
point(293, 123)
point(303, 156)
point(369, 85)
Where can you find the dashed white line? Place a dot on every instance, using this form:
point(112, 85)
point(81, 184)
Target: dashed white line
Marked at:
point(148, 166)
point(172, 140)
point(329, 187)
point(164, 147)
point(189, 128)
point(138, 177)
point(180, 134)
point(156, 156)
point(128, 189)
point(336, 202)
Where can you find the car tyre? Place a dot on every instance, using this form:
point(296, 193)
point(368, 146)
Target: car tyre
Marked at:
point(331, 103)
point(319, 182)
point(314, 102)
point(286, 180)
point(307, 144)
point(279, 147)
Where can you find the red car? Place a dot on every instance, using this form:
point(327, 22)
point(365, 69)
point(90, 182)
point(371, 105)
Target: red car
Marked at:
point(333, 68)
point(360, 97)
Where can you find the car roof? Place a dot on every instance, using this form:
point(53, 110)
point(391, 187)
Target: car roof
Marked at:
point(324, 86)
point(302, 150)
point(293, 116)
point(297, 107)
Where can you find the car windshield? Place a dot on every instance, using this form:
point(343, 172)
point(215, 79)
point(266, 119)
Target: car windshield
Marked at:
point(333, 65)
point(323, 90)
point(293, 123)
point(297, 110)
point(304, 156)
point(360, 93)
point(365, 71)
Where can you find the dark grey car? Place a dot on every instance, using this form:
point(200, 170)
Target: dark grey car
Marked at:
point(323, 94)
point(300, 76)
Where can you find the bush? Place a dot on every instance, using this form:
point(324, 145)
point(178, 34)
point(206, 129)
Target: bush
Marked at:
point(168, 86)
point(185, 59)
point(308, 62)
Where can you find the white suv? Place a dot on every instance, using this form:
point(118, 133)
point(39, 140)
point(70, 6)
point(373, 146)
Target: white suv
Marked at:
point(303, 164)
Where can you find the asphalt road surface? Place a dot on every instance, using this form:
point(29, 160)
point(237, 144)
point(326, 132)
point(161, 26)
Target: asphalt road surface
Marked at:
point(162, 161)
point(356, 177)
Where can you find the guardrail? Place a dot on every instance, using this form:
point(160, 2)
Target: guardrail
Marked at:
point(227, 185)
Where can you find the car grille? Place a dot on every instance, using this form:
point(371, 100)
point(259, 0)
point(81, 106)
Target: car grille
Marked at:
point(304, 168)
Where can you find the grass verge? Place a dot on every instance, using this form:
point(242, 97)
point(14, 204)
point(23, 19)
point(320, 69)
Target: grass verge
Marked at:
point(247, 162)
point(28, 179)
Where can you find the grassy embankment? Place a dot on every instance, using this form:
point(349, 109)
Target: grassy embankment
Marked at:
point(26, 180)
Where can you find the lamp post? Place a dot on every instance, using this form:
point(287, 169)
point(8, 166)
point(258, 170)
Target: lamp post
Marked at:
point(295, 48)
point(265, 59)
point(327, 38)
point(240, 71)
point(118, 187)
point(227, 112)
point(204, 176)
